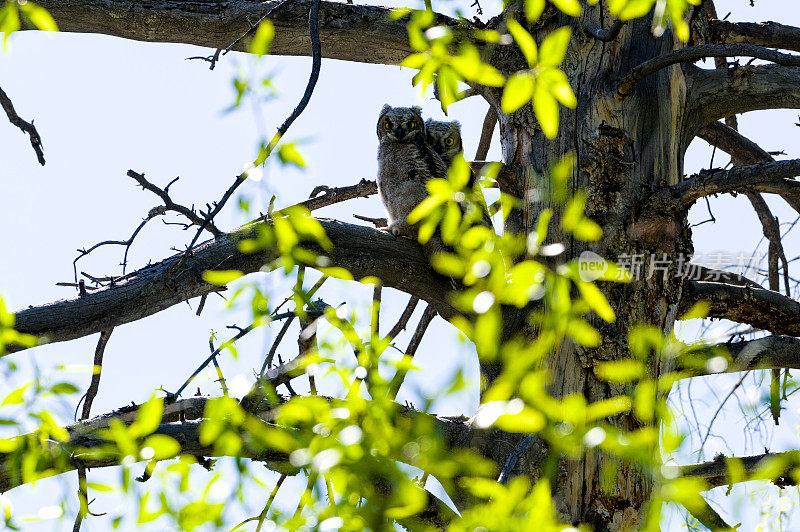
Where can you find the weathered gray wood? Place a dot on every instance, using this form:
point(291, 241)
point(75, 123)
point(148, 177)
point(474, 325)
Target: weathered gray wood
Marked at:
point(398, 262)
point(716, 94)
point(349, 32)
point(769, 34)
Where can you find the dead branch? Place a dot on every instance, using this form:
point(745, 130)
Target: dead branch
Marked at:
point(399, 263)
point(26, 127)
point(701, 51)
point(489, 123)
point(763, 309)
point(408, 356)
point(717, 181)
point(404, 317)
point(360, 33)
point(377, 222)
point(768, 34)
point(770, 352)
point(604, 35)
point(716, 94)
point(323, 195)
point(715, 473)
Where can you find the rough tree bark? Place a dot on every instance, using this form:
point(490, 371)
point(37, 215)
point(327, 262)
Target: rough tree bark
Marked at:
point(628, 146)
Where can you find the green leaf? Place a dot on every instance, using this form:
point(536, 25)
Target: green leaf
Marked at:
point(524, 41)
point(583, 333)
point(38, 16)
point(148, 417)
point(608, 407)
point(596, 300)
point(554, 47)
point(221, 277)
point(620, 371)
point(534, 9)
point(263, 38)
point(288, 154)
point(545, 107)
point(16, 396)
point(9, 21)
point(698, 310)
point(163, 446)
point(63, 388)
point(518, 91)
point(570, 7)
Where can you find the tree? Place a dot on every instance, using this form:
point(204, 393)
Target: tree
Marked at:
point(566, 387)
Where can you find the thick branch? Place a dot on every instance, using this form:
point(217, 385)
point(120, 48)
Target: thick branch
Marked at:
point(715, 473)
point(770, 352)
point(349, 32)
point(737, 179)
point(763, 309)
point(769, 34)
point(398, 262)
point(742, 150)
point(695, 53)
point(716, 94)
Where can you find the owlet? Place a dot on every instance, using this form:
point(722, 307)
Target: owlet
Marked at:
point(405, 163)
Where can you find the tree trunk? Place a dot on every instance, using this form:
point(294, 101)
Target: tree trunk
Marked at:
point(626, 147)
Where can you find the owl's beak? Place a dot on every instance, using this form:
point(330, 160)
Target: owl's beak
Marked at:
point(400, 133)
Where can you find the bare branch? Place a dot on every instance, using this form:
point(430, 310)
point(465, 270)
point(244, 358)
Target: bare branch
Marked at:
point(742, 150)
point(715, 473)
point(737, 179)
point(695, 53)
point(769, 34)
point(763, 309)
point(170, 205)
point(770, 352)
point(403, 321)
point(350, 32)
point(323, 195)
point(408, 356)
point(26, 127)
point(604, 35)
point(489, 123)
point(716, 94)
point(398, 262)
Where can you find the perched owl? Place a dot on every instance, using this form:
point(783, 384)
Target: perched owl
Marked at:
point(444, 138)
point(405, 163)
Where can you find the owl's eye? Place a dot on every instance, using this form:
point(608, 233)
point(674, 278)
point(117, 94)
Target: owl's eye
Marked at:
point(385, 125)
point(449, 141)
point(414, 123)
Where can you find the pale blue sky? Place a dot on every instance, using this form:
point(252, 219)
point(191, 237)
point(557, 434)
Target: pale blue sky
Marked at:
point(105, 105)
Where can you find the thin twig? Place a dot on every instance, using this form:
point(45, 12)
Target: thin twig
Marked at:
point(422, 326)
point(377, 222)
point(91, 393)
point(26, 127)
point(156, 211)
point(513, 458)
point(404, 317)
point(221, 378)
point(196, 219)
point(323, 195)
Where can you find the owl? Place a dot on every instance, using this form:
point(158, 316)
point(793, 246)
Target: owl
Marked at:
point(444, 138)
point(405, 163)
